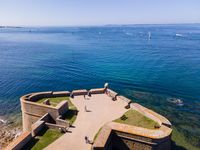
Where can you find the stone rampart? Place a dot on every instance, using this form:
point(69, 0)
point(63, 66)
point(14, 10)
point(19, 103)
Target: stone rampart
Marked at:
point(131, 137)
point(36, 116)
point(33, 111)
point(20, 142)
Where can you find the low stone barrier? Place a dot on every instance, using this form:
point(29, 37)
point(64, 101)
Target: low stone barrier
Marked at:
point(60, 121)
point(20, 142)
point(79, 92)
point(61, 94)
point(35, 96)
point(103, 139)
point(62, 107)
point(128, 101)
point(97, 91)
point(37, 127)
point(45, 118)
point(112, 94)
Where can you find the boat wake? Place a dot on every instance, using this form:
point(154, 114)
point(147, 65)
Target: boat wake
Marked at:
point(179, 35)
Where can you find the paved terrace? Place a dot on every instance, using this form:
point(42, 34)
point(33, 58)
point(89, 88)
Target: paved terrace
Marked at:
point(101, 110)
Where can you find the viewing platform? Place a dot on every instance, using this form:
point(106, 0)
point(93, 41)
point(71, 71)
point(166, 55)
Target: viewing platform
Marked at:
point(98, 119)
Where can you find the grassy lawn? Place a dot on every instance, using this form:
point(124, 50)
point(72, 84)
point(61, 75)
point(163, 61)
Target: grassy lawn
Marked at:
point(135, 118)
point(43, 140)
point(54, 100)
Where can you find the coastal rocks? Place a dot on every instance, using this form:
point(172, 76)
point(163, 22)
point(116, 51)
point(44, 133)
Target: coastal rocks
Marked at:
point(2, 121)
point(8, 133)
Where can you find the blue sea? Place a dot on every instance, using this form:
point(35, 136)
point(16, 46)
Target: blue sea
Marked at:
point(151, 64)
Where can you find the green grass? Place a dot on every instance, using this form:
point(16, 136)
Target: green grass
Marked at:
point(54, 100)
point(135, 118)
point(43, 140)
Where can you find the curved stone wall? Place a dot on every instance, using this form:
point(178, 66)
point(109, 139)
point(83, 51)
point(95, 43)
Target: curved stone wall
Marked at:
point(32, 111)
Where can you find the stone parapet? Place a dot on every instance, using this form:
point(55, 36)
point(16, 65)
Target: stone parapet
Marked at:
point(37, 127)
point(35, 96)
point(20, 142)
point(149, 133)
point(79, 92)
point(60, 121)
point(128, 101)
point(62, 107)
point(112, 94)
point(97, 91)
point(104, 137)
point(61, 93)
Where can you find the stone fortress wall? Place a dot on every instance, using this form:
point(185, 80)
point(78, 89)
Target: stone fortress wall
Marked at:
point(127, 137)
point(36, 116)
point(113, 135)
point(32, 111)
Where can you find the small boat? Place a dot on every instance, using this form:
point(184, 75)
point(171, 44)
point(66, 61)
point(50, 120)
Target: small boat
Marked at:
point(149, 35)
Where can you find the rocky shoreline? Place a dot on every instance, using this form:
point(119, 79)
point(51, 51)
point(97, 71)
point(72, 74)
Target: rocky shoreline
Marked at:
point(8, 132)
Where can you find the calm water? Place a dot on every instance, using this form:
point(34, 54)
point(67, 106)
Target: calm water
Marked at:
point(148, 70)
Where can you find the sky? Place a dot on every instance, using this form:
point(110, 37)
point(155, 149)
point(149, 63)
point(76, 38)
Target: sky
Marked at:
point(97, 12)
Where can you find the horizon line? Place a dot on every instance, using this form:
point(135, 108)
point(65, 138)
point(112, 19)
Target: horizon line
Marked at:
point(88, 25)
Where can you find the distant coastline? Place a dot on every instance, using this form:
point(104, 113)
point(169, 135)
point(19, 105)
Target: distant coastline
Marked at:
point(100, 25)
point(10, 27)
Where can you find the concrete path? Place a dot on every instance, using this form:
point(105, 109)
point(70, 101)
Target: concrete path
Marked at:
point(101, 110)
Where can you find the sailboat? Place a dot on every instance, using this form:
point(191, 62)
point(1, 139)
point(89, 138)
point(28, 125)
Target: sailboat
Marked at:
point(149, 35)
